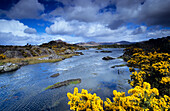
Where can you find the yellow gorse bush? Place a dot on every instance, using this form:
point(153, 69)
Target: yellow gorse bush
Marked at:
point(155, 69)
point(2, 56)
point(141, 99)
point(84, 101)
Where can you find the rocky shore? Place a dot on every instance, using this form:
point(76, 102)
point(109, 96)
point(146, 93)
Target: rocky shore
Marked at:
point(13, 57)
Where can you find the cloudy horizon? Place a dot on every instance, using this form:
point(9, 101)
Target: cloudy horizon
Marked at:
point(74, 21)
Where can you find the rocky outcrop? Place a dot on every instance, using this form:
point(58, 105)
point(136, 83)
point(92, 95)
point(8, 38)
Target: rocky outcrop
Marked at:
point(13, 54)
point(9, 67)
point(106, 51)
point(108, 58)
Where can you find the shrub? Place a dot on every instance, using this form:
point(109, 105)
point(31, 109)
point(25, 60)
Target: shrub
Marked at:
point(2, 56)
point(141, 98)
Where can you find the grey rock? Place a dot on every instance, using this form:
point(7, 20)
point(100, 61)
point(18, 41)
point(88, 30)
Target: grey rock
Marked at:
point(12, 67)
point(13, 54)
point(68, 51)
point(1, 68)
point(7, 64)
point(108, 58)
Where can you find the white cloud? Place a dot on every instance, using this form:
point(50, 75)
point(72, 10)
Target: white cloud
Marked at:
point(95, 31)
point(77, 28)
point(12, 32)
point(12, 26)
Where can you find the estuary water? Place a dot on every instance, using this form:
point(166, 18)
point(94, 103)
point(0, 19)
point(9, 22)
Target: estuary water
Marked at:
point(24, 89)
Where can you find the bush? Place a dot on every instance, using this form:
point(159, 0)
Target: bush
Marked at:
point(2, 56)
point(141, 99)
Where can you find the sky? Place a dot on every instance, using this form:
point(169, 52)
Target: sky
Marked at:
point(74, 21)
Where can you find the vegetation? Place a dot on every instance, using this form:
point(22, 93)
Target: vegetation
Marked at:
point(64, 83)
point(141, 99)
point(2, 56)
point(154, 67)
point(30, 60)
point(49, 87)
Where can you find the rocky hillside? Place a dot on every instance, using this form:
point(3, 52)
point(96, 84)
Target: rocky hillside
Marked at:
point(53, 47)
point(159, 45)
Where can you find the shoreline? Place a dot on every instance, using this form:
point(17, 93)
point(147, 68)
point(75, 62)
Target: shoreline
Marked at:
point(13, 64)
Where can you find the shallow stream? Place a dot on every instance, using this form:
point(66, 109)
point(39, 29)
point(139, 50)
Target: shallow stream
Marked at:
point(23, 90)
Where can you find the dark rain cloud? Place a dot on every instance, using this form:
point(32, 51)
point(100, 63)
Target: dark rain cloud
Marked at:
point(7, 4)
point(50, 5)
point(139, 30)
point(24, 9)
point(111, 12)
point(155, 12)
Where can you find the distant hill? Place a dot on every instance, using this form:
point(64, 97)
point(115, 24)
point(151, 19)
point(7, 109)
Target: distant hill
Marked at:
point(124, 43)
point(104, 43)
point(88, 44)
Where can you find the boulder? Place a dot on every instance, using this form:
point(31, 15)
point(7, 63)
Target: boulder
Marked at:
point(68, 51)
point(9, 67)
point(108, 58)
point(1, 68)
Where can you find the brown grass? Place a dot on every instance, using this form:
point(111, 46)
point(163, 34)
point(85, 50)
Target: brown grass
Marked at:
point(33, 60)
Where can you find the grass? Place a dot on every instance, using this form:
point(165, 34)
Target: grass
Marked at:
point(48, 87)
point(69, 55)
point(74, 82)
point(121, 65)
point(33, 60)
